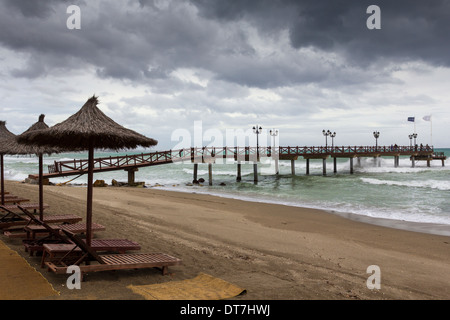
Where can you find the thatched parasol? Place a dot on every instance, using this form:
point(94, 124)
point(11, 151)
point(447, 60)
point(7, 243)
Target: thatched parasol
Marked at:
point(89, 129)
point(11, 146)
point(5, 135)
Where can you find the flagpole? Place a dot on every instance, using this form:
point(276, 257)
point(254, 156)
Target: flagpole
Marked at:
point(415, 124)
point(431, 129)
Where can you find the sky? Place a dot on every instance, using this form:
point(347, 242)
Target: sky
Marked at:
point(191, 72)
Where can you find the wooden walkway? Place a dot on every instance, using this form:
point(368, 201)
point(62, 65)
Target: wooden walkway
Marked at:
point(210, 155)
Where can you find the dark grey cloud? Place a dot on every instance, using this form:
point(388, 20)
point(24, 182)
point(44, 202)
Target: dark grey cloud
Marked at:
point(144, 41)
point(411, 29)
point(33, 8)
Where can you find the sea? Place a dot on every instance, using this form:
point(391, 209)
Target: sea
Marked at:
point(405, 197)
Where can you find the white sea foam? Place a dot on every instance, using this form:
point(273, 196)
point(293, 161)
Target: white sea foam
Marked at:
point(433, 184)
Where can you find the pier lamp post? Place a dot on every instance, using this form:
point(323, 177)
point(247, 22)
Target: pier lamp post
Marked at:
point(410, 140)
point(274, 133)
point(326, 134)
point(257, 131)
point(332, 135)
point(376, 134)
point(414, 135)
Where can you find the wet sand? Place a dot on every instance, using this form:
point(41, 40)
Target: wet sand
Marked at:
point(273, 251)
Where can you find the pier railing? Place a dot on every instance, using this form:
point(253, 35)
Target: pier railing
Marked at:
point(209, 154)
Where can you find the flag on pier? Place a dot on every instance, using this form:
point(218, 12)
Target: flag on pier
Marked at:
point(428, 118)
point(411, 119)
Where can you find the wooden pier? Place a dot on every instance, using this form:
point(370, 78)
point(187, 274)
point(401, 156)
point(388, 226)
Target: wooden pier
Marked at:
point(428, 158)
point(239, 155)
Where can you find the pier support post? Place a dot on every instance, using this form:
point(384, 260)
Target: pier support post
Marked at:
point(277, 169)
point(334, 165)
point(195, 171)
point(359, 162)
point(396, 158)
point(210, 173)
point(324, 165)
point(413, 162)
point(428, 162)
point(255, 173)
point(131, 175)
point(238, 177)
point(293, 167)
point(307, 166)
point(351, 165)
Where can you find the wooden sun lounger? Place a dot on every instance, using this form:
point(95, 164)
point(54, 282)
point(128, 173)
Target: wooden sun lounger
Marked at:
point(109, 262)
point(58, 251)
point(33, 230)
point(57, 244)
point(14, 219)
point(28, 206)
point(10, 218)
point(10, 196)
point(52, 219)
point(15, 200)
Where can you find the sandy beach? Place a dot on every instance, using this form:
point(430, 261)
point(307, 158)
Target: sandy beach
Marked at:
point(273, 251)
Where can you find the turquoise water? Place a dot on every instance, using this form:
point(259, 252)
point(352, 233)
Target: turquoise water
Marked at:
point(419, 194)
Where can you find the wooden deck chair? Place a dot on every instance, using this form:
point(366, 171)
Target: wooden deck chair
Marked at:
point(15, 200)
point(55, 239)
point(62, 252)
point(108, 262)
point(10, 196)
point(14, 219)
point(32, 231)
point(18, 224)
point(9, 218)
point(53, 236)
point(29, 206)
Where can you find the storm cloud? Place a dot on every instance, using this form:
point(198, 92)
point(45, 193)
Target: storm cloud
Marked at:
point(144, 40)
point(229, 62)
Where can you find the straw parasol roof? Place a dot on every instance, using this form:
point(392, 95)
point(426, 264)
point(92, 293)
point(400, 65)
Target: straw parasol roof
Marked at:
point(89, 129)
point(5, 133)
point(88, 125)
point(11, 146)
